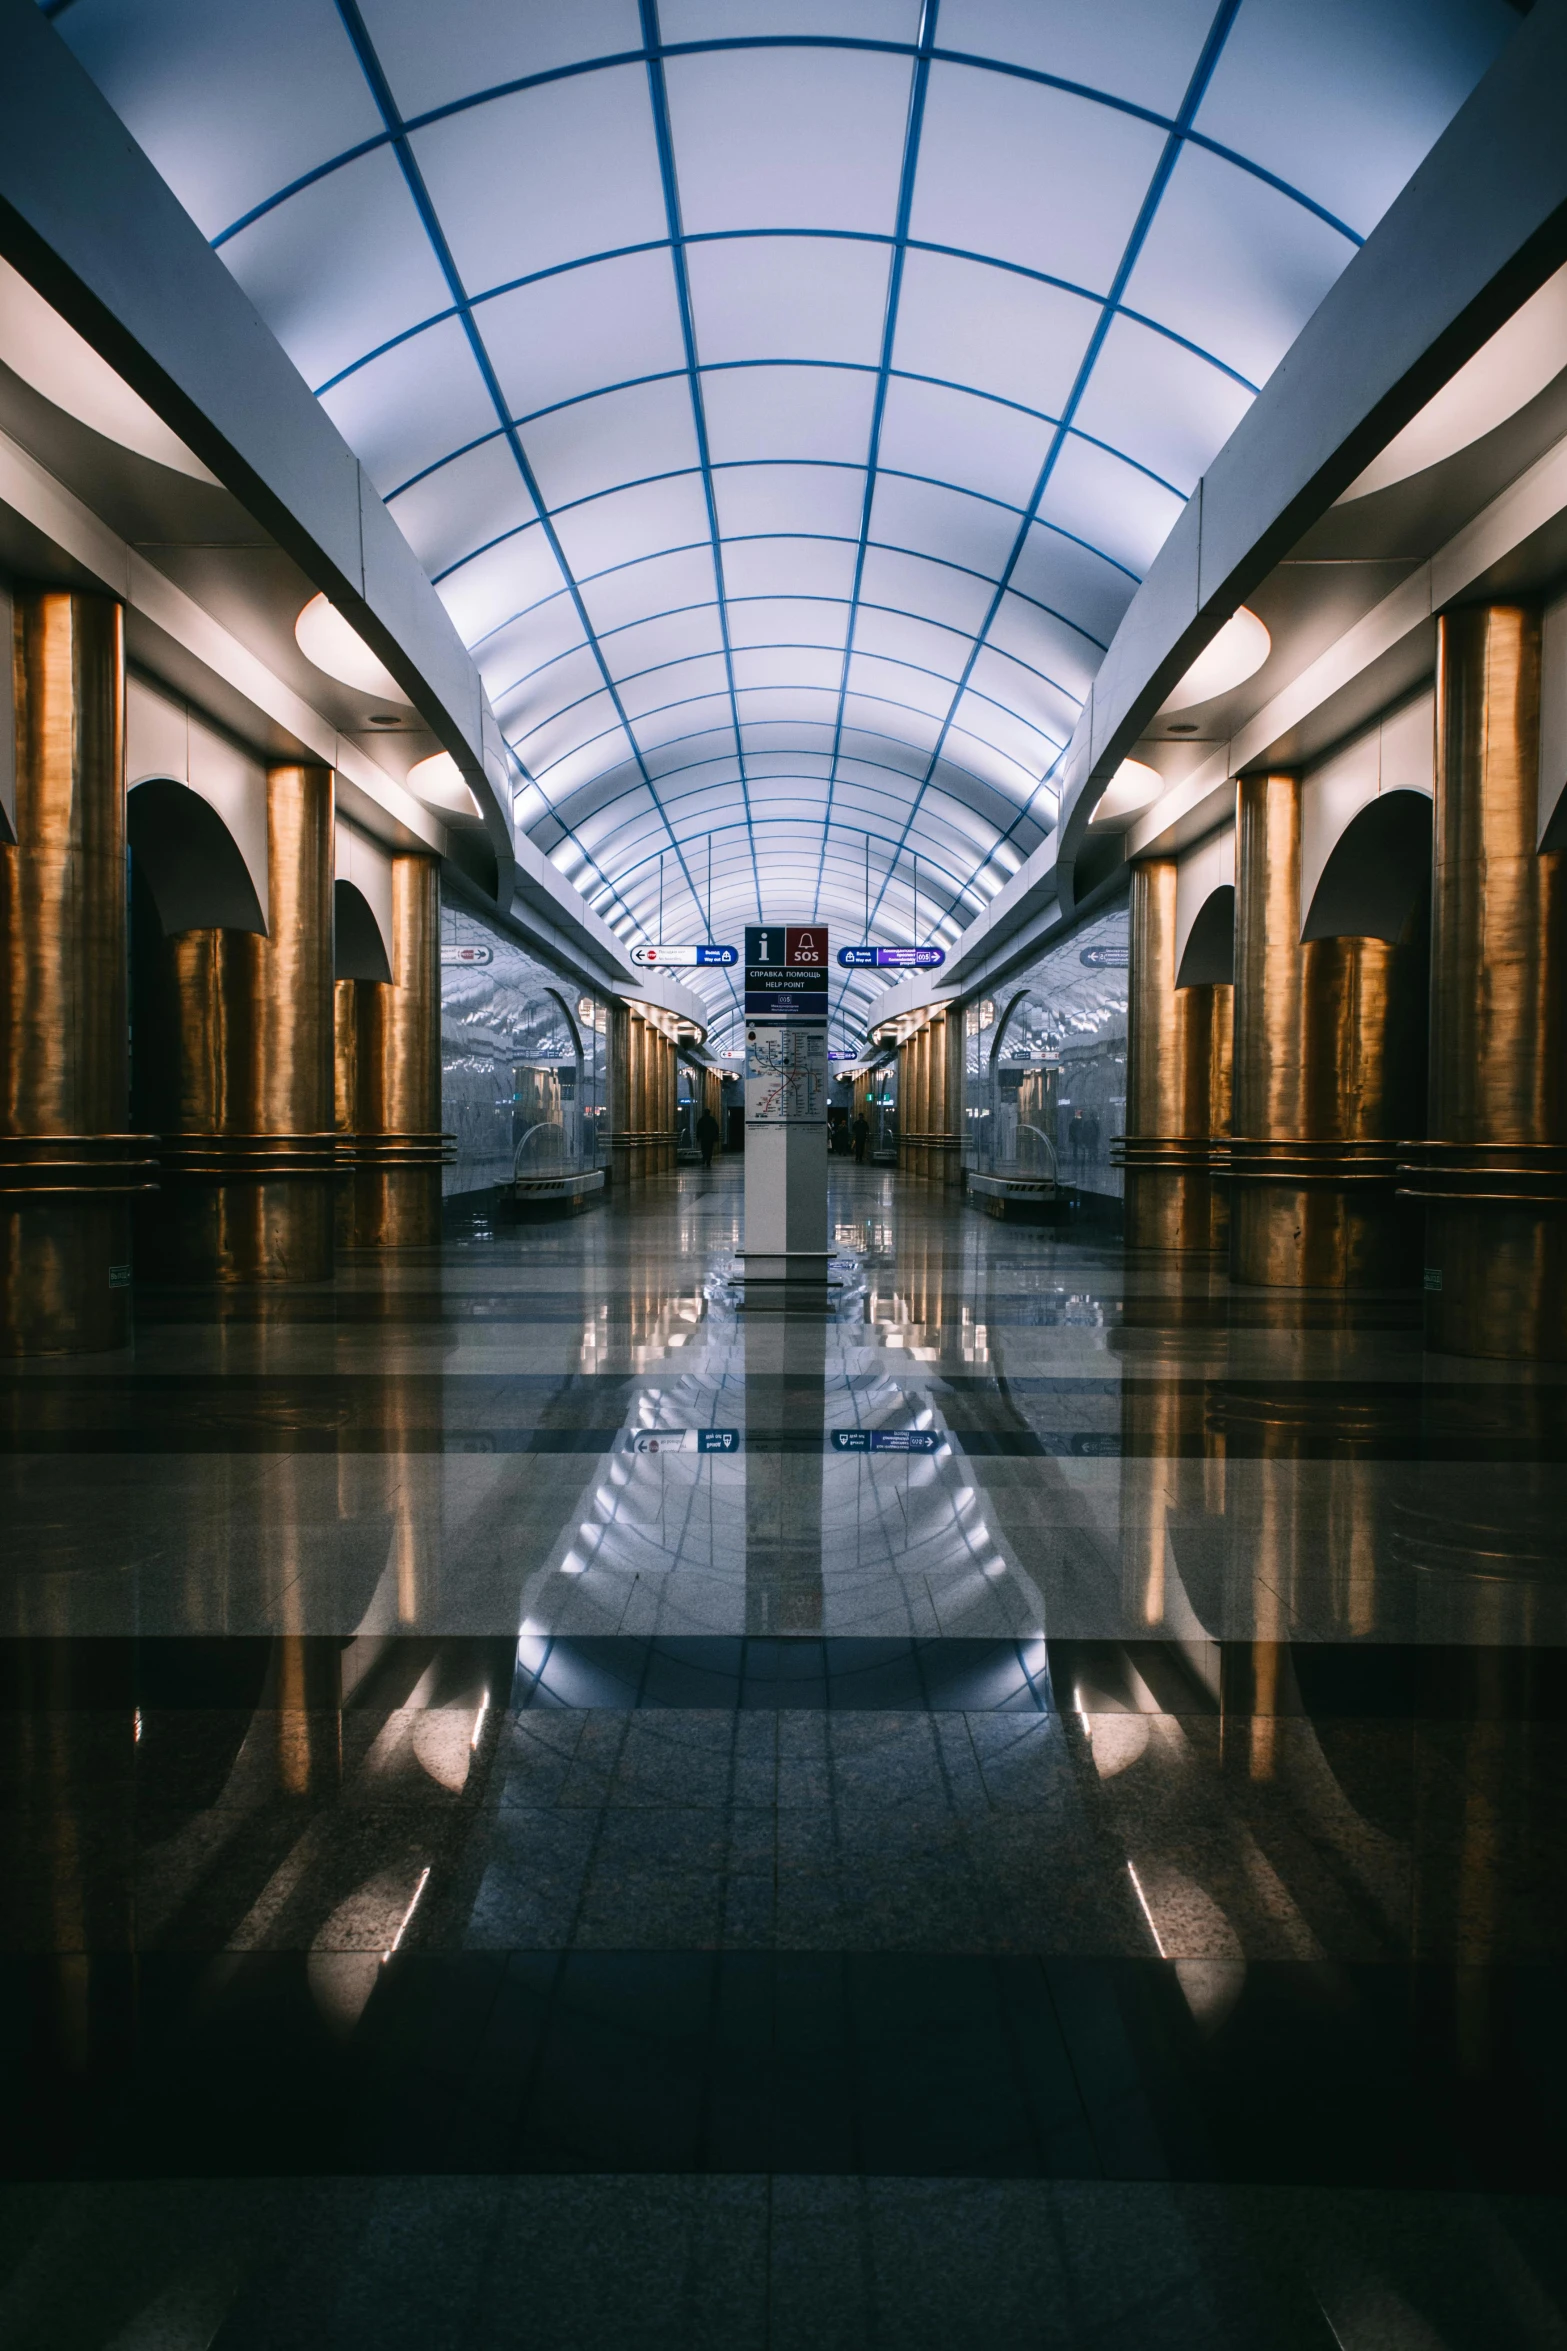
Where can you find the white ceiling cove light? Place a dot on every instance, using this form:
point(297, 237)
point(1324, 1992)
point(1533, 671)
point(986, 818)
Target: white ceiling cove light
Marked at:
point(51, 356)
point(1132, 788)
point(438, 782)
point(1506, 373)
point(1234, 655)
point(325, 638)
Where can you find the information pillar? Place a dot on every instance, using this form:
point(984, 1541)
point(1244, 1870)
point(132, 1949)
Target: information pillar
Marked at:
point(785, 1253)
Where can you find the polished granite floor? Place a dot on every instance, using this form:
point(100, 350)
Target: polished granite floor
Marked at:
point(542, 1809)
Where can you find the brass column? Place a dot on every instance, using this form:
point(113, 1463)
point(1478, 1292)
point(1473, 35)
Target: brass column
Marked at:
point(250, 1151)
point(67, 1167)
point(620, 1019)
point(947, 1140)
point(1177, 1082)
point(1322, 1099)
point(394, 1144)
point(1494, 1173)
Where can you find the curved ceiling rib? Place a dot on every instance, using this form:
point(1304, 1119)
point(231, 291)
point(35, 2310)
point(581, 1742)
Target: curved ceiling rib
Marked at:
point(787, 396)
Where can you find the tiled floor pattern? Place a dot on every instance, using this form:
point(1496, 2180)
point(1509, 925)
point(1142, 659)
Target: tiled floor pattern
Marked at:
point(481, 1871)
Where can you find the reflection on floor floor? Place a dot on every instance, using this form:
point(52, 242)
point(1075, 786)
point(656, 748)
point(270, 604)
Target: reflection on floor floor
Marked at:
point(1025, 1811)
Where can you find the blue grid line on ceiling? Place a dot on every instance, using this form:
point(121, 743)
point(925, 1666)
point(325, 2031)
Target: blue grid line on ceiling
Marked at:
point(935, 861)
point(795, 686)
point(933, 849)
point(948, 763)
point(677, 473)
point(740, 236)
point(644, 867)
point(909, 166)
point(380, 90)
point(749, 538)
point(774, 644)
point(1005, 67)
point(861, 367)
point(1202, 74)
point(658, 99)
point(942, 789)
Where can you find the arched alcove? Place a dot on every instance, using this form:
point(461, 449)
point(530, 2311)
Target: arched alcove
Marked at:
point(190, 861)
point(1377, 880)
point(359, 951)
point(1209, 957)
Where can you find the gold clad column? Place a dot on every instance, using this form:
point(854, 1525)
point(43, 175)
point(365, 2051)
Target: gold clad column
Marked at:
point(620, 1154)
point(398, 1149)
point(66, 1165)
point(1177, 1082)
point(1322, 1099)
point(952, 1099)
point(251, 1163)
point(1494, 1174)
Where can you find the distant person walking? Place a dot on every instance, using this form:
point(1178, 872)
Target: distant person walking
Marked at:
point(859, 1136)
point(707, 1137)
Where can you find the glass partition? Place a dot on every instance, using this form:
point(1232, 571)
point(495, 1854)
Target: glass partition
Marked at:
point(524, 1059)
point(1045, 1063)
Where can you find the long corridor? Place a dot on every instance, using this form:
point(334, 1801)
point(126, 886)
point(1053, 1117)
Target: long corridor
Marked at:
point(543, 1809)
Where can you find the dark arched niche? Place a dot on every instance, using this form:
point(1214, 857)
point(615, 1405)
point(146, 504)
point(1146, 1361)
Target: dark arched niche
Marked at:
point(1377, 880)
point(1209, 957)
point(190, 861)
point(360, 950)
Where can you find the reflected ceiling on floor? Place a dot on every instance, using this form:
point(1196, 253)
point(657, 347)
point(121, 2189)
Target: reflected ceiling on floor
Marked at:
point(786, 399)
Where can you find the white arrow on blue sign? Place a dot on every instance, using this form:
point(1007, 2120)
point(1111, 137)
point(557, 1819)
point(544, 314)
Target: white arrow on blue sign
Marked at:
point(885, 1440)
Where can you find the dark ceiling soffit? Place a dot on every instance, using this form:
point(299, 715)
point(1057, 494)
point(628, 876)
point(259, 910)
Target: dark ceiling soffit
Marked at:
point(90, 223)
point(1480, 226)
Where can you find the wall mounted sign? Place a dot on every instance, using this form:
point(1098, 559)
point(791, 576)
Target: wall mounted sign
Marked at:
point(1106, 958)
point(891, 958)
point(786, 971)
point(683, 956)
point(467, 954)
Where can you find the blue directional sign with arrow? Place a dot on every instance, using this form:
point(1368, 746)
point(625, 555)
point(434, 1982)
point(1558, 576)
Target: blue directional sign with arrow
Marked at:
point(885, 1440)
point(891, 958)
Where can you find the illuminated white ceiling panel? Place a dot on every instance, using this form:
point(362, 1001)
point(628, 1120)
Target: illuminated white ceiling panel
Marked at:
point(786, 396)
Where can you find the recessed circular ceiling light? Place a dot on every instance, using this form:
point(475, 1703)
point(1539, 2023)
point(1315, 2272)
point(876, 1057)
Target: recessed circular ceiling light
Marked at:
point(325, 638)
point(1133, 787)
point(438, 782)
point(1227, 660)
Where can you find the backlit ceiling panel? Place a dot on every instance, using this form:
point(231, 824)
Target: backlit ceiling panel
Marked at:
point(786, 399)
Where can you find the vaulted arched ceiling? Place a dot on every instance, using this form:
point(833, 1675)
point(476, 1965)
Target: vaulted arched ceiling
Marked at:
point(786, 396)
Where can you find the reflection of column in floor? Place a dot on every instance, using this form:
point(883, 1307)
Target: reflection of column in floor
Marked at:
point(785, 1417)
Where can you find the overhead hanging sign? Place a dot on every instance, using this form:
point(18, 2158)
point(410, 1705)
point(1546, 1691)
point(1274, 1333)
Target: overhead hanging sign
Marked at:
point(891, 958)
point(662, 957)
point(786, 971)
point(685, 1441)
point(885, 1440)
